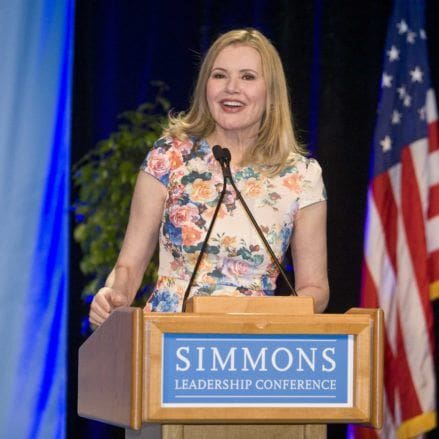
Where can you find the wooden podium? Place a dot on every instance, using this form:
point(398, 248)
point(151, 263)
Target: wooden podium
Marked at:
point(133, 368)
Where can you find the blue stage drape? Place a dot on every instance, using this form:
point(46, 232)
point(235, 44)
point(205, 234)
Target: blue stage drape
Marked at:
point(36, 47)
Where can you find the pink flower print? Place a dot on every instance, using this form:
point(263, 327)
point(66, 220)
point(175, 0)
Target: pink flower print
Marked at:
point(158, 163)
point(229, 198)
point(235, 268)
point(180, 215)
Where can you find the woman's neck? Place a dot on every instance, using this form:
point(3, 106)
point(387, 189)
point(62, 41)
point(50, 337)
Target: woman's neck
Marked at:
point(237, 143)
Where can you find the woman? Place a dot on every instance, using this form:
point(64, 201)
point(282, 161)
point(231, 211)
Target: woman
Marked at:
point(240, 102)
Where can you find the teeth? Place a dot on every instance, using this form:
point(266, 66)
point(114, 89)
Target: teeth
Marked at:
point(232, 104)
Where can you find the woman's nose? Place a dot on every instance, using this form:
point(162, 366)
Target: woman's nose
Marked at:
point(232, 85)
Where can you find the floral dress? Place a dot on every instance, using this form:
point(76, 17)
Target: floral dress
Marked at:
point(236, 262)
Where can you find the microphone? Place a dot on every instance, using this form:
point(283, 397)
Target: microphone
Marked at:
point(225, 165)
point(218, 153)
point(223, 156)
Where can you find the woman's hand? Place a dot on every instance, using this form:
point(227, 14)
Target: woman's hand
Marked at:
point(139, 244)
point(104, 302)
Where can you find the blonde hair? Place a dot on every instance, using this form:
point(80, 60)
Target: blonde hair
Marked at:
point(276, 142)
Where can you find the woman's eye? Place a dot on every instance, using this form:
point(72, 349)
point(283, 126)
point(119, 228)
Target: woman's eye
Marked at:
point(218, 75)
point(248, 77)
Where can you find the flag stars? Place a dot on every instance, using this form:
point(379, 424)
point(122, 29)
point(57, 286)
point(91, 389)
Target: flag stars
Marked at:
point(422, 113)
point(422, 34)
point(386, 80)
point(402, 27)
point(396, 117)
point(393, 54)
point(404, 96)
point(416, 74)
point(386, 144)
point(402, 92)
point(411, 36)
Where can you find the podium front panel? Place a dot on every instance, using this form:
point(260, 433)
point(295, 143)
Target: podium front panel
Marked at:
point(257, 368)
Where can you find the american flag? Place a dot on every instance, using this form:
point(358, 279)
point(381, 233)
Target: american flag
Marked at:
point(401, 251)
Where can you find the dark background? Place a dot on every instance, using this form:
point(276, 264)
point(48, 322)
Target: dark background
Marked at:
point(332, 52)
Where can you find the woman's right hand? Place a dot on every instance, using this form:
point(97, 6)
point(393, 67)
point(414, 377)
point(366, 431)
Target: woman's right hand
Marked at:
point(138, 246)
point(104, 302)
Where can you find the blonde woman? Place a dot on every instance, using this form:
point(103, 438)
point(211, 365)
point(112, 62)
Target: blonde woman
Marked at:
point(240, 102)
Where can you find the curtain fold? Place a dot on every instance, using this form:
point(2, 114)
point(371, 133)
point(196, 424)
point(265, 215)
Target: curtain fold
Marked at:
point(36, 43)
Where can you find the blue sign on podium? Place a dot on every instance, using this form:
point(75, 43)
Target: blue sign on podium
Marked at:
point(251, 370)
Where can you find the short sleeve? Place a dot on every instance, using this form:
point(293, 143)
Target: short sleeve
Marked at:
point(313, 189)
point(158, 161)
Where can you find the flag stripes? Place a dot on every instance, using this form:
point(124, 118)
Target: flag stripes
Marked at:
point(401, 250)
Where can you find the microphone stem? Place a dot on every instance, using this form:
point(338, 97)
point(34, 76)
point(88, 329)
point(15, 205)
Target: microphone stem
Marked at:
point(261, 234)
point(227, 174)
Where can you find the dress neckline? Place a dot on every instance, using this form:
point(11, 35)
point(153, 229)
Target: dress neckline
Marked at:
point(205, 145)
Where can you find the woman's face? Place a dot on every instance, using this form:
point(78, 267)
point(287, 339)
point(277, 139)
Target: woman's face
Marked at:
point(236, 90)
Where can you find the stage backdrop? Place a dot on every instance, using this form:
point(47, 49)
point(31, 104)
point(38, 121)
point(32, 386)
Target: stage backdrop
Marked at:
point(35, 77)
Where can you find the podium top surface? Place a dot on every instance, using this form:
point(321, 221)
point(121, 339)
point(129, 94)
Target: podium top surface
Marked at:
point(280, 305)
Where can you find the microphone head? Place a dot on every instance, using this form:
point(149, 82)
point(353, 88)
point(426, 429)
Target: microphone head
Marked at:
point(218, 152)
point(226, 154)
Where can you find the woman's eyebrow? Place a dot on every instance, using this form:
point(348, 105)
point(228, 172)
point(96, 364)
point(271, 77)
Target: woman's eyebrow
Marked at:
point(248, 69)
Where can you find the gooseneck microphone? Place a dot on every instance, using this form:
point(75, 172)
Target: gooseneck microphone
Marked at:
point(226, 158)
point(218, 153)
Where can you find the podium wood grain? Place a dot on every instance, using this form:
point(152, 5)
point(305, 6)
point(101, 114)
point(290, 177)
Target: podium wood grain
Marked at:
point(376, 402)
point(110, 371)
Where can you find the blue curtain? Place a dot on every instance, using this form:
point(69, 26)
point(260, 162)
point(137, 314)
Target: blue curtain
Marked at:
point(35, 88)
